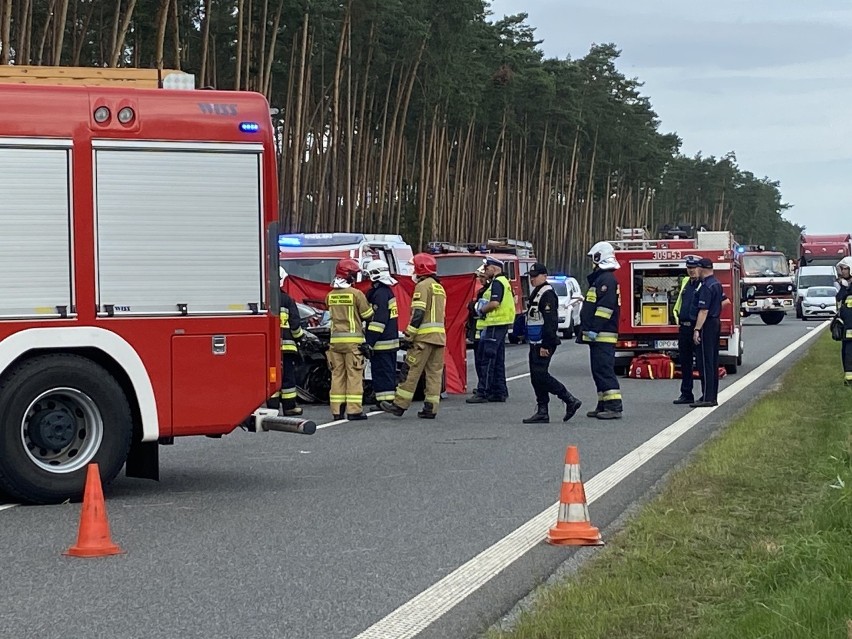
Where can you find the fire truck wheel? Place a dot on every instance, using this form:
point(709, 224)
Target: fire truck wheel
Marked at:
point(59, 413)
point(772, 317)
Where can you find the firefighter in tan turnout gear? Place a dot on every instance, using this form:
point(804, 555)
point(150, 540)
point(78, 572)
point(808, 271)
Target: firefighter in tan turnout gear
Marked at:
point(349, 310)
point(428, 340)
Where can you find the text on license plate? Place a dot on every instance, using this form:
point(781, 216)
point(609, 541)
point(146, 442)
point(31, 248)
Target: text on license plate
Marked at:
point(666, 343)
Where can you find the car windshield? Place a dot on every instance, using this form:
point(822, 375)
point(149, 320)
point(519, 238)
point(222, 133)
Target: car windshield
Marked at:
point(318, 269)
point(461, 265)
point(821, 291)
point(560, 287)
point(765, 265)
point(807, 281)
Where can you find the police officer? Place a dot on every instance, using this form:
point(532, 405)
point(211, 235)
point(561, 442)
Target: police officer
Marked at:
point(498, 313)
point(428, 341)
point(349, 309)
point(383, 331)
point(686, 312)
point(599, 326)
point(844, 311)
point(705, 333)
point(476, 320)
point(291, 332)
point(542, 324)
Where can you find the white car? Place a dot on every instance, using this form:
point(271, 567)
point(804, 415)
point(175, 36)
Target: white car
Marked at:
point(819, 303)
point(570, 296)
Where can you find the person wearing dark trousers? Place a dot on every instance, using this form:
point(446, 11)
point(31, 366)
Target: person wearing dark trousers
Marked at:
point(705, 334)
point(844, 312)
point(686, 313)
point(383, 331)
point(542, 324)
point(498, 313)
point(476, 321)
point(599, 324)
point(291, 333)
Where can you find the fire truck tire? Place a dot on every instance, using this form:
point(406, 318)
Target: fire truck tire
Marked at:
point(58, 414)
point(772, 317)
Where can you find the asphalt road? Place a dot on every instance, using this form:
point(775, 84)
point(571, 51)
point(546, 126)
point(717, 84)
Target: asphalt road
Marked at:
point(279, 535)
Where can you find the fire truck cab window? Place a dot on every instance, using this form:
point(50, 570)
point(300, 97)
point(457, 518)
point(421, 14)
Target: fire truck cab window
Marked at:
point(314, 269)
point(461, 265)
point(509, 270)
point(761, 265)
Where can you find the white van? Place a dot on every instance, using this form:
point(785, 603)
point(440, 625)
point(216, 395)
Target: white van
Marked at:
point(570, 296)
point(808, 276)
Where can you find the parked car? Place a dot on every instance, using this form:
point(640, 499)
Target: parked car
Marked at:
point(570, 296)
point(819, 303)
point(808, 276)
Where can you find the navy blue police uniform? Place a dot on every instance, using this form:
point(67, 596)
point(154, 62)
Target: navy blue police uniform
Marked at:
point(382, 336)
point(710, 296)
point(686, 310)
point(599, 329)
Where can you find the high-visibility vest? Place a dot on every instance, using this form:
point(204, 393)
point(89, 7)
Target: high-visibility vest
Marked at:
point(504, 315)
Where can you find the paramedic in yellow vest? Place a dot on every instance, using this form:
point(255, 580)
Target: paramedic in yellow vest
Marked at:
point(349, 309)
point(685, 313)
point(476, 321)
point(497, 310)
point(428, 340)
point(291, 333)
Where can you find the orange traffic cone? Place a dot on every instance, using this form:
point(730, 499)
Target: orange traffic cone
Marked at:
point(573, 527)
point(93, 538)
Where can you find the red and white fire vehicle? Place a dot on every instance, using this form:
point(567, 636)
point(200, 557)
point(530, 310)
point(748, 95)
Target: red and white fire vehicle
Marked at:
point(314, 256)
point(767, 283)
point(649, 282)
point(138, 277)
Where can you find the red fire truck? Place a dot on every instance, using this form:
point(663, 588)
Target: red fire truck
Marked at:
point(314, 256)
point(824, 250)
point(767, 283)
point(138, 278)
point(517, 256)
point(649, 282)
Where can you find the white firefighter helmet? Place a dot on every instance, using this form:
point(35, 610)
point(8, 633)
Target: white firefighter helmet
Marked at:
point(603, 255)
point(846, 261)
point(379, 271)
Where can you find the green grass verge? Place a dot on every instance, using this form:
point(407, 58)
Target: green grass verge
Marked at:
point(751, 539)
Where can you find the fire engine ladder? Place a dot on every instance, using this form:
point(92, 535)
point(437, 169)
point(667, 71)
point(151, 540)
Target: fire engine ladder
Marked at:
point(512, 246)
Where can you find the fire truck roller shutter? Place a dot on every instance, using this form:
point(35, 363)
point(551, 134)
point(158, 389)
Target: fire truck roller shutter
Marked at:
point(67, 398)
point(179, 224)
point(35, 263)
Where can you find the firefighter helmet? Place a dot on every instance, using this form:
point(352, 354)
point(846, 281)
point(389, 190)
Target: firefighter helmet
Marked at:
point(424, 264)
point(603, 255)
point(379, 271)
point(347, 270)
point(846, 261)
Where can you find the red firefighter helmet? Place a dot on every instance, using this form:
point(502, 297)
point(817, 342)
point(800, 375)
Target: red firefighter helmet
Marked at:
point(424, 264)
point(347, 269)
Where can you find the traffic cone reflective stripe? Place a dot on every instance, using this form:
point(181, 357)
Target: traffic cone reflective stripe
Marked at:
point(573, 525)
point(93, 538)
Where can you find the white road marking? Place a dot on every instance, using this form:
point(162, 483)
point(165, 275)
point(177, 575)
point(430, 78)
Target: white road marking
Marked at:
point(7, 506)
point(512, 379)
point(346, 421)
point(418, 613)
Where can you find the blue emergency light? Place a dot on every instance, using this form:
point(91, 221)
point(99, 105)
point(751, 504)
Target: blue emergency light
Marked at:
point(741, 249)
point(249, 127)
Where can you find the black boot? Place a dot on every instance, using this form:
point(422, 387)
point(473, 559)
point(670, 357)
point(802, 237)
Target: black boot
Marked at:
point(393, 409)
point(572, 405)
point(597, 411)
point(540, 416)
point(356, 417)
point(428, 411)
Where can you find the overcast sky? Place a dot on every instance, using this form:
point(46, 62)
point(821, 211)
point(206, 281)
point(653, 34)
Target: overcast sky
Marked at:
point(770, 80)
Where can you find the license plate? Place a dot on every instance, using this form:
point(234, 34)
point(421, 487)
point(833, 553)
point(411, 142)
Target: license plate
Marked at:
point(666, 343)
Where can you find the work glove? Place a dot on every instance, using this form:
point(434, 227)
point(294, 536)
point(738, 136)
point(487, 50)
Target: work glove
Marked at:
point(366, 350)
point(405, 341)
point(593, 335)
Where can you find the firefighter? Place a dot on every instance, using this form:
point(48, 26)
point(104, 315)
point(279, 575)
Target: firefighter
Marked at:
point(599, 329)
point(706, 331)
point(349, 309)
point(542, 324)
point(291, 333)
point(475, 319)
point(498, 315)
point(383, 331)
point(428, 340)
point(686, 312)
point(844, 312)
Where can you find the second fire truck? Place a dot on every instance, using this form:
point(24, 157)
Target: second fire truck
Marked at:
point(649, 281)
